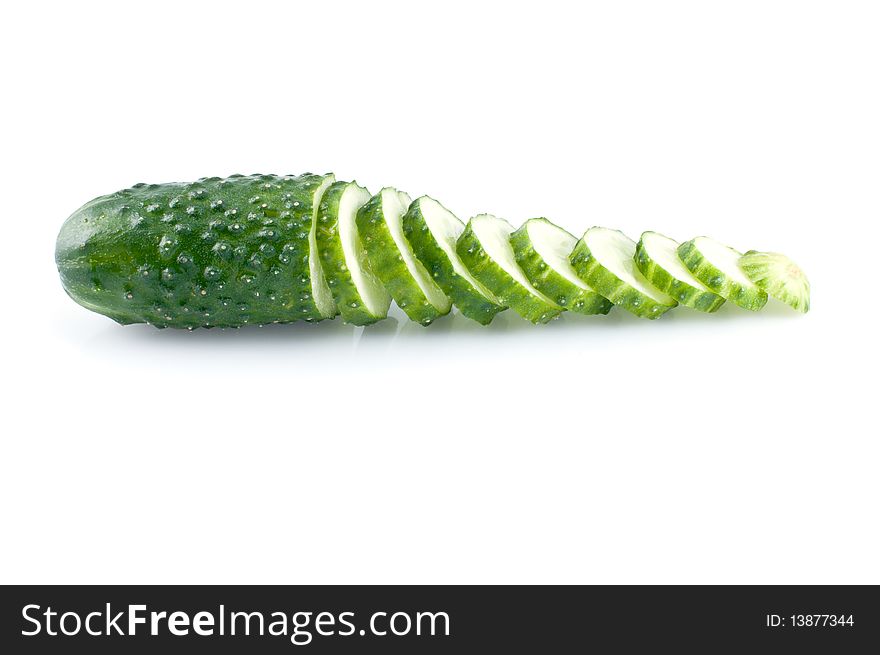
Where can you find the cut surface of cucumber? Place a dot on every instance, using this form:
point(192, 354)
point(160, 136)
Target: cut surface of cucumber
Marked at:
point(543, 251)
point(359, 295)
point(320, 289)
point(657, 259)
point(432, 231)
point(779, 276)
point(392, 260)
point(485, 249)
point(605, 258)
point(717, 266)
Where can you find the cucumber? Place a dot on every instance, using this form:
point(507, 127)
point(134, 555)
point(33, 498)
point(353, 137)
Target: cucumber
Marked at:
point(216, 252)
point(778, 276)
point(543, 251)
point(717, 266)
point(379, 222)
point(358, 293)
point(432, 231)
point(261, 249)
point(657, 259)
point(485, 249)
point(604, 258)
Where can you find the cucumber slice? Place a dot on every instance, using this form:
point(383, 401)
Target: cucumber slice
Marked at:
point(358, 293)
point(717, 266)
point(657, 259)
point(432, 231)
point(543, 251)
point(391, 257)
point(779, 276)
point(485, 249)
point(605, 259)
point(325, 306)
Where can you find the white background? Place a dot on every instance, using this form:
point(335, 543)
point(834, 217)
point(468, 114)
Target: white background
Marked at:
point(727, 448)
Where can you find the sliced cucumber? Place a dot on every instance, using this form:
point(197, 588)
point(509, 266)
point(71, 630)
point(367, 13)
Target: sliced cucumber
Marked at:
point(543, 251)
point(657, 259)
point(717, 266)
point(358, 293)
point(604, 258)
point(485, 249)
point(262, 249)
point(779, 276)
point(432, 231)
point(379, 222)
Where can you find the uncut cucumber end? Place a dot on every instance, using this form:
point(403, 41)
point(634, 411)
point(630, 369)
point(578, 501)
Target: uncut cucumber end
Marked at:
point(779, 276)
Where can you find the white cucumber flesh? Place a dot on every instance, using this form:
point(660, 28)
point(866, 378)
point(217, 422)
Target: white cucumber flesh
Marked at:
point(320, 289)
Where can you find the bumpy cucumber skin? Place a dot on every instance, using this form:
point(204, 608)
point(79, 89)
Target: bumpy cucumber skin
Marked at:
point(717, 281)
point(332, 257)
point(496, 279)
point(470, 302)
point(552, 284)
point(684, 293)
point(612, 287)
point(216, 252)
point(388, 264)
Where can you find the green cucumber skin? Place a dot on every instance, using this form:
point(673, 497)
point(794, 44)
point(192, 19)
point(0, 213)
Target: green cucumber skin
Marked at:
point(717, 281)
point(613, 288)
point(388, 265)
point(496, 279)
point(684, 293)
point(332, 258)
point(470, 302)
point(551, 283)
point(216, 252)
